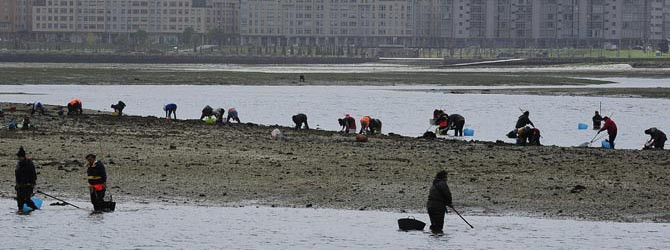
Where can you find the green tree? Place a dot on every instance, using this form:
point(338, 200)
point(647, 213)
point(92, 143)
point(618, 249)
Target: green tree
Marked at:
point(216, 36)
point(187, 36)
point(140, 38)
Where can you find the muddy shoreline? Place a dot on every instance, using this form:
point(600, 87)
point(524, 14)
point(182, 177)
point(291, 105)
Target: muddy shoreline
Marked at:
point(567, 91)
point(186, 161)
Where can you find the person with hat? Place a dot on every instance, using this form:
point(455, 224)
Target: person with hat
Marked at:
point(365, 124)
point(232, 114)
point(170, 109)
point(349, 124)
point(611, 128)
point(97, 181)
point(439, 198)
point(26, 178)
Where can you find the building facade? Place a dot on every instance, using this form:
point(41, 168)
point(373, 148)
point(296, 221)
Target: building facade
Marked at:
point(108, 20)
point(357, 23)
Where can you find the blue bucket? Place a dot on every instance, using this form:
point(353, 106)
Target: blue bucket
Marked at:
point(38, 204)
point(469, 132)
point(606, 144)
point(582, 126)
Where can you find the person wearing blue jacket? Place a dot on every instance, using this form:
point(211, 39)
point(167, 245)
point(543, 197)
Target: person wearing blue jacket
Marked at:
point(170, 109)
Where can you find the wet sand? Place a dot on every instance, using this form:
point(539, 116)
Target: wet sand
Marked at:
point(154, 160)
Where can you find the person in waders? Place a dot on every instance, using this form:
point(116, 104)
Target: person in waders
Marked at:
point(611, 128)
point(26, 178)
point(97, 182)
point(439, 198)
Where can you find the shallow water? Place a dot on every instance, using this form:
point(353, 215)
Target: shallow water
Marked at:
point(402, 112)
point(137, 226)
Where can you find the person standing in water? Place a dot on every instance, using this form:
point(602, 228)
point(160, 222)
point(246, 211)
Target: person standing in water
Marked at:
point(97, 181)
point(26, 178)
point(439, 198)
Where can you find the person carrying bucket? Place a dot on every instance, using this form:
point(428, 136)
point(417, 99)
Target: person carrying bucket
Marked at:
point(439, 198)
point(97, 181)
point(232, 114)
point(170, 110)
point(597, 119)
point(611, 128)
point(657, 140)
point(26, 178)
point(457, 122)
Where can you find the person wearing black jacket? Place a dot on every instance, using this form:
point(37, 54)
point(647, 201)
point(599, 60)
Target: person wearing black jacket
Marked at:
point(657, 140)
point(439, 198)
point(375, 126)
point(524, 120)
point(597, 120)
point(207, 111)
point(457, 122)
point(118, 107)
point(26, 178)
point(299, 120)
point(97, 181)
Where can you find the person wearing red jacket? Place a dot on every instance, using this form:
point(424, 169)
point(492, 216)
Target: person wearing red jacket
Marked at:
point(611, 128)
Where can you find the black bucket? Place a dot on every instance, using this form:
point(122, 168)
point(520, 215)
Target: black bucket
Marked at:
point(409, 224)
point(109, 206)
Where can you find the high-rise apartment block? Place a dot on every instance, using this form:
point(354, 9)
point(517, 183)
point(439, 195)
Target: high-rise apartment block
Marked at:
point(362, 23)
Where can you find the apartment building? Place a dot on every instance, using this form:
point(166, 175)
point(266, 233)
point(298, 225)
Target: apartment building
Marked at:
point(15, 16)
point(318, 22)
point(105, 20)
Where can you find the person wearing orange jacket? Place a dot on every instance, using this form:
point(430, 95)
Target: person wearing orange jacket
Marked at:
point(75, 107)
point(365, 124)
point(97, 181)
point(611, 128)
